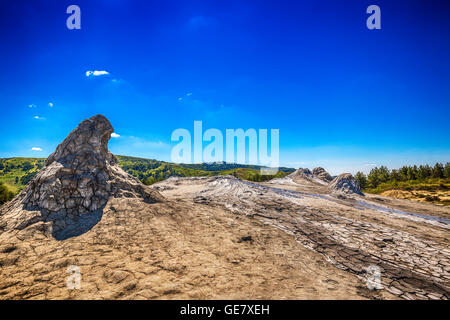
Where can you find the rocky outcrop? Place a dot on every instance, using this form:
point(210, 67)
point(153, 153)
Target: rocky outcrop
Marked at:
point(302, 175)
point(322, 174)
point(345, 183)
point(80, 176)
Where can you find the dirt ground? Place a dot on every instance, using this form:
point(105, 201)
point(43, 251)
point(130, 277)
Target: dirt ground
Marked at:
point(222, 238)
point(439, 197)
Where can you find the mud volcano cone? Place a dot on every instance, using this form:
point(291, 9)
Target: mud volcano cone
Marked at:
point(346, 184)
point(78, 179)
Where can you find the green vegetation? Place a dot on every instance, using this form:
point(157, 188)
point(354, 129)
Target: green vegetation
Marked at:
point(151, 171)
point(16, 173)
point(415, 179)
point(5, 194)
point(383, 175)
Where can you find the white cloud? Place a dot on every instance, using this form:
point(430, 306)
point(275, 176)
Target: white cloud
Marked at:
point(32, 106)
point(39, 118)
point(189, 94)
point(179, 99)
point(36, 149)
point(50, 104)
point(96, 73)
point(115, 135)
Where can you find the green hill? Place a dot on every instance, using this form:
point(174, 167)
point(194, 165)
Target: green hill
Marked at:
point(422, 183)
point(15, 173)
point(151, 171)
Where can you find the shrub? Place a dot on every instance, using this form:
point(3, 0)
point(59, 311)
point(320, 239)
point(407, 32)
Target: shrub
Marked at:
point(5, 194)
point(432, 198)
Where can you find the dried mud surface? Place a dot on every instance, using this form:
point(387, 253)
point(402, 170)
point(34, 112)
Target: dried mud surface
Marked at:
point(222, 238)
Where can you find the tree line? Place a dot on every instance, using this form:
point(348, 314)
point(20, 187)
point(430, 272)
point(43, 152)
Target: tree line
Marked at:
point(405, 173)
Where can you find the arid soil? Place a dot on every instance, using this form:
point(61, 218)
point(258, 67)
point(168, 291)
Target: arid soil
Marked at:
point(407, 241)
point(222, 238)
point(439, 197)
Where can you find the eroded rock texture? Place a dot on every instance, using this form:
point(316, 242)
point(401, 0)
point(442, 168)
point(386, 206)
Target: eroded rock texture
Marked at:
point(345, 183)
point(322, 174)
point(78, 179)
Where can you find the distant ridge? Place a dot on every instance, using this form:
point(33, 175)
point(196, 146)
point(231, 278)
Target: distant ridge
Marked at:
point(146, 170)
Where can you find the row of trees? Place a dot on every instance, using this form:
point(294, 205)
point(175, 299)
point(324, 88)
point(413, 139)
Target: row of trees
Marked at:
point(405, 173)
point(7, 166)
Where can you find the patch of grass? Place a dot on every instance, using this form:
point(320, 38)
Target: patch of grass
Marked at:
point(418, 189)
point(15, 172)
point(432, 185)
point(5, 194)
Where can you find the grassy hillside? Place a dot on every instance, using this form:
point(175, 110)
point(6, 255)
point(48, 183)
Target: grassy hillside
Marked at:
point(151, 171)
point(432, 190)
point(422, 183)
point(15, 173)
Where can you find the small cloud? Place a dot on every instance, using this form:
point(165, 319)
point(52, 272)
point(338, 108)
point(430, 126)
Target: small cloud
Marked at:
point(96, 73)
point(32, 106)
point(39, 118)
point(50, 104)
point(189, 94)
point(36, 149)
point(115, 135)
point(180, 98)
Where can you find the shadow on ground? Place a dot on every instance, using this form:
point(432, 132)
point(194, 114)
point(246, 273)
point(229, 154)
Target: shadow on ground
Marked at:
point(77, 226)
point(63, 226)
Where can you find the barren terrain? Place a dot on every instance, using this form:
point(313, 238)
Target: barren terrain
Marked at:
point(304, 236)
point(222, 238)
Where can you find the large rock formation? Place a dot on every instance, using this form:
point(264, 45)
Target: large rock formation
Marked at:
point(345, 183)
point(79, 177)
point(322, 174)
point(302, 175)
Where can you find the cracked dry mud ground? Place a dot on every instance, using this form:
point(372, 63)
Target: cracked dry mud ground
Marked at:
point(171, 250)
point(412, 252)
point(221, 238)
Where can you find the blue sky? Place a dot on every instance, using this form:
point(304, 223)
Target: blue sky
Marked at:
point(343, 97)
